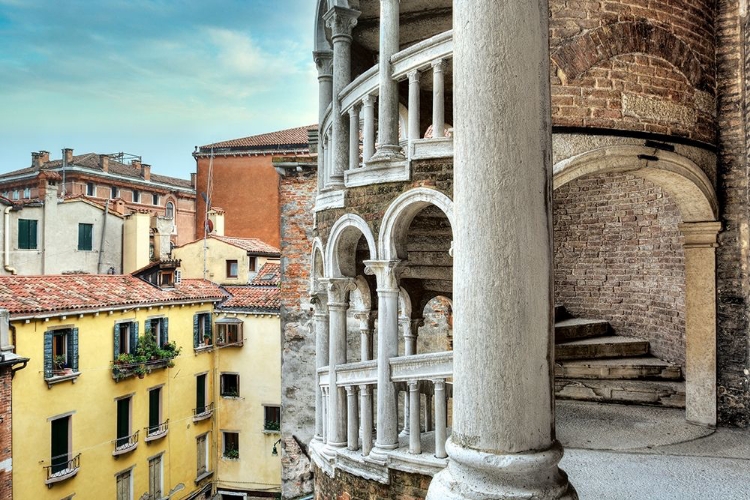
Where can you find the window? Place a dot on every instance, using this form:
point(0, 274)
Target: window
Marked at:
point(126, 336)
point(202, 330)
point(253, 264)
point(231, 445)
point(154, 477)
point(229, 332)
point(136, 196)
point(230, 385)
point(15, 194)
point(155, 199)
point(156, 428)
point(169, 213)
point(27, 231)
point(200, 394)
point(273, 418)
point(60, 352)
point(60, 449)
point(202, 443)
point(85, 237)
point(90, 189)
point(114, 192)
point(27, 193)
point(124, 486)
point(166, 278)
point(231, 269)
point(157, 328)
point(126, 439)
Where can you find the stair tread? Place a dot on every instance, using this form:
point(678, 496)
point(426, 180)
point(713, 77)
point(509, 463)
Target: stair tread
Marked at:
point(605, 340)
point(677, 385)
point(627, 361)
point(580, 321)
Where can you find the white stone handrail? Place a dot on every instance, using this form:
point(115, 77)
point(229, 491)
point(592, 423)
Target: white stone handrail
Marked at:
point(323, 376)
point(421, 56)
point(365, 372)
point(365, 84)
point(438, 365)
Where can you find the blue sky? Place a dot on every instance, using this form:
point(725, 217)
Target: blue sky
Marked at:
point(151, 77)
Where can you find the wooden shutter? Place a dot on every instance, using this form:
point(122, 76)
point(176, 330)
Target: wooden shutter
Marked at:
point(207, 325)
point(196, 330)
point(123, 421)
point(164, 330)
point(73, 349)
point(133, 336)
point(48, 354)
point(117, 340)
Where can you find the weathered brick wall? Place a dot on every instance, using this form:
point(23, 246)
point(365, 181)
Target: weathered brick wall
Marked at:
point(645, 65)
point(6, 434)
point(296, 200)
point(618, 256)
point(344, 486)
point(733, 284)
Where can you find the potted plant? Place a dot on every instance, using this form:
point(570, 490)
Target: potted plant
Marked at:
point(141, 370)
point(207, 339)
point(232, 453)
point(59, 363)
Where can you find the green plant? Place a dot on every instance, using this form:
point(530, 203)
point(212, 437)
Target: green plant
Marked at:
point(230, 394)
point(60, 361)
point(232, 453)
point(141, 370)
point(125, 359)
point(272, 425)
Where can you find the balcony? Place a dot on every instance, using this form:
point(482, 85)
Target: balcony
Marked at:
point(203, 412)
point(156, 432)
point(125, 444)
point(62, 469)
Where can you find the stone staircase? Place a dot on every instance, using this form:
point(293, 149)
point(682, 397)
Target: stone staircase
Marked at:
point(593, 364)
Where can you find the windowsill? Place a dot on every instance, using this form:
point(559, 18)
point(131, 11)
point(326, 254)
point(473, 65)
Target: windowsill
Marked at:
point(231, 344)
point(228, 459)
point(269, 431)
point(56, 379)
point(203, 348)
point(230, 397)
point(124, 449)
point(203, 476)
point(155, 436)
point(63, 475)
point(203, 416)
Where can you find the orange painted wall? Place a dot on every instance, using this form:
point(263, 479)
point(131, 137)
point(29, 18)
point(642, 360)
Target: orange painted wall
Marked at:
point(247, 188)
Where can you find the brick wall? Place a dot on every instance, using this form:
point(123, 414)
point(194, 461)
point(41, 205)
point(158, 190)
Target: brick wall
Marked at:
point(6, 433)
point(344, 486)
point(645, 65)
point(618, 256)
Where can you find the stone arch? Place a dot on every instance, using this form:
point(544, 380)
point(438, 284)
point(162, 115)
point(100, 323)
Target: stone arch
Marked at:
point(321, 41)
point(342, 245)
point(360, 299)
point(595, 46)
point(401, 212)
point(696, 199)
point(317, 264)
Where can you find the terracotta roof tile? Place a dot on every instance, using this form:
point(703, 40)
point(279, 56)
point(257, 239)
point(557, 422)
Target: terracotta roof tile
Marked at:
point(253, 298)
point(289, 137)
point(59, 293)
point(269, 275)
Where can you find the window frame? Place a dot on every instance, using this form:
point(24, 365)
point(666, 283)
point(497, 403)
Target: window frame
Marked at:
point(155, 199)
point(274, 423)
point(202, 330)
point(230, 265)
point(127, 475)
point(122, 441)
point(131, 337)
point(83, 238)
point(90, 189)
point(31, 235)
point(162, 334)
point(136, 196)
point(69, 435)
point(224, 386)
point(26, 193)
point(114, 192)
point(230, 441)
point(224, 335)
point(60, 341)
point(169, 210)
point(155, 490)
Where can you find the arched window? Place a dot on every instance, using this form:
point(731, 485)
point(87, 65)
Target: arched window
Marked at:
point(170, 210)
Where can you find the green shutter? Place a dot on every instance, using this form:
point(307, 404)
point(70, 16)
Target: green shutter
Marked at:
point(85, 236)
point(32, 234)
point(117, 340)
point(164, 331)
point(48, 354)
point(23, 233)
point(133, 336)
point(196, 330)
point(207, 325)
point(148, 328)
point(73, 349)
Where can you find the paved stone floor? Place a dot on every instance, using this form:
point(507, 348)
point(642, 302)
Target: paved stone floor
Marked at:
point(618, 452)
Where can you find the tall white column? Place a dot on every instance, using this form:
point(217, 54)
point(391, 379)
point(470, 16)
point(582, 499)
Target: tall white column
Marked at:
point(386, 273)
point(320, 318)
point(409, 327)
point(341, 21)
point(440, 418)
point(415, 436)
point(438, 99)
point(388, 146)
point(503, 443)
point(365, 394)
point(365, 333)
point(414, 95)
point(338, 303)
point(324, 64)
point(353, 137)
point(325, 413)
point(368, 128)
point(352, 428)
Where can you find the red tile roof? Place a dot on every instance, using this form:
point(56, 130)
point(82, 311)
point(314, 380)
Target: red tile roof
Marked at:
point(269, 275)
point(253, 298)
point(251, 245)
point(23, 295)
point(289, 137)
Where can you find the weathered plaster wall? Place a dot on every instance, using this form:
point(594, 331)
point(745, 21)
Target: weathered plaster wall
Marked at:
point(345, 486)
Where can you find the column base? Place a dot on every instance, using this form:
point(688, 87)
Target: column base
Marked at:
point(330, 450)
point(386, 153)
point(379, 453)
point(476, 475)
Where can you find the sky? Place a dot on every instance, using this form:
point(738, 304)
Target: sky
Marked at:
point(153, 78)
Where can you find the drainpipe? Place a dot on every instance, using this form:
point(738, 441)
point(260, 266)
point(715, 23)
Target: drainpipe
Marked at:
point(6, 253)
point(104, 234)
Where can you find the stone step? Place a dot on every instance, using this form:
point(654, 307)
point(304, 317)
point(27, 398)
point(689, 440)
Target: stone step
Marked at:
point(647, 367)
point(644, 392)
point(601, 347)
point(580, 328)
point(560, 313)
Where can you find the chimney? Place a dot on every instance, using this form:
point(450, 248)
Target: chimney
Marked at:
point(6, 343)
point(104, 162)
point(35, 160)
point(146, 171)
point(192, 180)
point(68, 155)
point(43, 157)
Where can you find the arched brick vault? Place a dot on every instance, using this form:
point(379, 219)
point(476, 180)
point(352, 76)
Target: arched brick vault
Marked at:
point(579, 54)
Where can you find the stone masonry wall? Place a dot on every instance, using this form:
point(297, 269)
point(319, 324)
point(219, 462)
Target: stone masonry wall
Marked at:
point(619, 257)
point(296, 198)
point(345, 486)
point(643, 65)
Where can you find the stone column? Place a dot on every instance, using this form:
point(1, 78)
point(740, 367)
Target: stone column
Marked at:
point(438, 99)
point(365, 394)
point(325, 413)
point(415, 436)
point(409, 327)
point(320, 318)
point(700, 321)
point(414, 95)
point(353, 137)
point(440, 418)
point(365, 333)
point(338, 303)
point(386, 272)
point(352, 431)
point(503, 443)
point(368, 129)
point(388, 146)
point(341, 21)
point(324, 63)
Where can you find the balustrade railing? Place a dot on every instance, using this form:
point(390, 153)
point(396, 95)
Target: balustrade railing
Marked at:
point(125, 444)
point(62, 467)
point(158, 431)
point(203, 412)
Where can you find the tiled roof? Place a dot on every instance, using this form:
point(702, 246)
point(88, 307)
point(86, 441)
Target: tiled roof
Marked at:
point(91, 161)
point(248, 297)
point(269, 275)
point(252, 245)
point(59, 293)
point(289, 137)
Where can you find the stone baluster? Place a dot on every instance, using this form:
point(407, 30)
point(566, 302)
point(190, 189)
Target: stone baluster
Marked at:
point(324, 64)
point(368, 131)
point(320, 319)
point(441, 411)
point(353, 137)
point(414, 95)
point(365, 333)
point(387, 273)
point(503, 442)
point(352, 418)
point(338, 303)
point(365, 394)
point(409, 327)
point(428, 426)
point(325, 413)
point(341, 21)
point(438, 99)
point(415, 436)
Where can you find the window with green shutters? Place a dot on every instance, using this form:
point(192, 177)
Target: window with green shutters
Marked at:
point(158, 329)
point(125, 338)
point(60, 351)
point(202, 334)
point(27, 231)
point(85, 237)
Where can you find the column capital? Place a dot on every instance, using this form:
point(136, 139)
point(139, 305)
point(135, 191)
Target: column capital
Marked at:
point(386, 272)
point(365, 319)
point(351, 390)
point(341, 21)
point(354, 114)
point(700, 234)
point(438, 65)
point(413, 76)
point(368, 101)
point(337, 289)
point(324, 62)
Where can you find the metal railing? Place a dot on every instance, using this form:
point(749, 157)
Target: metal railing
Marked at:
point(62, 467)
point(125, 444)
point(157, 431)
point(203, 412)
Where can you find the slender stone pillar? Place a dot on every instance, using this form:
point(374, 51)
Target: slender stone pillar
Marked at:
point(341, 21)
point(414, 95)
point(324, 390)
point(365, 333)
point(410, 348)
point(338, 303)
point(353, 138)
point(386, 273)
point(352, 418)
point(700, 321)
point(428, 416)
point(324, 63)
point(365, 394)
point(388, 146)
point(368, 129)
point(503, 444)
point(320, 318)
point(440, 418)
point(415, 436)
point(438, 99)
